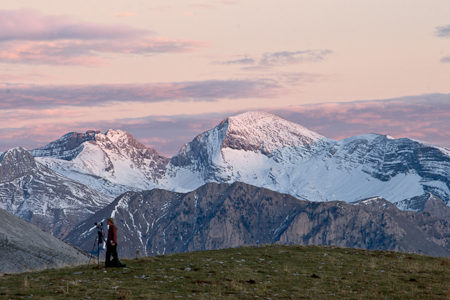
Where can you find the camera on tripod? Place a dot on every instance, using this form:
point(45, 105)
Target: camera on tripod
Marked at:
point(99, 239)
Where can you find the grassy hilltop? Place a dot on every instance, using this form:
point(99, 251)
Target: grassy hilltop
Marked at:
point(268, 272)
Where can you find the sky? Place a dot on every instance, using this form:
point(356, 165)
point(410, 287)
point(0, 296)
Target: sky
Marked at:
point(166, 71)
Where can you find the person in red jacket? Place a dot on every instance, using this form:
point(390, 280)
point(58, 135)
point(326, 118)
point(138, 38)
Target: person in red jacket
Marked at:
point(111, 246)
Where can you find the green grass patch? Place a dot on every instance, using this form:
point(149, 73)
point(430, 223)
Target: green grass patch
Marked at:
point(268, 272)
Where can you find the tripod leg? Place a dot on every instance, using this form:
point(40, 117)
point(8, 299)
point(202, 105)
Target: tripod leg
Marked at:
point(98, 254)
point(95, 242)
point(100, 240)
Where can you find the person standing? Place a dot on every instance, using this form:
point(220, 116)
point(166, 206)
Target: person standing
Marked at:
point(111, 246)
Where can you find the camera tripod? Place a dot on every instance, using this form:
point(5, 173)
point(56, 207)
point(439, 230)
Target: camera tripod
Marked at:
point(98, 240)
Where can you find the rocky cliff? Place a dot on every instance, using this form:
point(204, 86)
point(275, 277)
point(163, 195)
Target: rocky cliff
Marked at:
point(231, 215)
point(426, 202)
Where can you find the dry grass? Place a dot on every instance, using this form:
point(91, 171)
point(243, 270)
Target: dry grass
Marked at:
point(275, 272)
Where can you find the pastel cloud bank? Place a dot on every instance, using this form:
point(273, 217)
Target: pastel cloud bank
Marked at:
point(28, 36)
point(425, 118)
point(41, 97)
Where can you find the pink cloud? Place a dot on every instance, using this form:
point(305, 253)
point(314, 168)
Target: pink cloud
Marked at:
point(20, 115)
point(156, 142)
point(272, 59)
point(50, 96)
point(25, 24)
point(69, 52)
point(289, 57)
point(27, 36)
point(31, 137)
point(52, 53)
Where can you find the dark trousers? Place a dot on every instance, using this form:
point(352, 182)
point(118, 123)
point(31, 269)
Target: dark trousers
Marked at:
point(111, 250)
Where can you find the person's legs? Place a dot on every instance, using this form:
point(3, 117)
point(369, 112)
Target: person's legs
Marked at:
point(108, 256)
point(115, 260)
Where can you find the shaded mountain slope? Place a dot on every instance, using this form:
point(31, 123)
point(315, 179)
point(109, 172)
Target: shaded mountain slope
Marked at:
point(42, 196)
point(221, 216)
point(25, 247)
point(426, 202)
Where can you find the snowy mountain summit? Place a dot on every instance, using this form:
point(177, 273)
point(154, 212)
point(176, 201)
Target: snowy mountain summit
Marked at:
point(261, 131)
point(258, 132)
point(238, 144)
point(112, 163)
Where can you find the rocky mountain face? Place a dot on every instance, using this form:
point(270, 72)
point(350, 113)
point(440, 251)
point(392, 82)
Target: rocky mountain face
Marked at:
point(67, 147)
point(111, 163)
point(15, 163)
point(218, 216)
point(25, 247)
point(42, 196)
point(426, 202)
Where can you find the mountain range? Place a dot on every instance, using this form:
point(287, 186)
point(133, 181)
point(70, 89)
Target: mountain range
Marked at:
point(67, 183)
point(260, 149)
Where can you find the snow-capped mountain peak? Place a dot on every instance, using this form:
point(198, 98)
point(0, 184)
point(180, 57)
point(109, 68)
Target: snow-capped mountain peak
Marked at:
point(258, 132)
point(117, 158)
point(238, 149)
point(122, 138)
point(265, 132)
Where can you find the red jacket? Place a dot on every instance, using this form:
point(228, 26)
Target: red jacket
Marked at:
point(112, 235)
